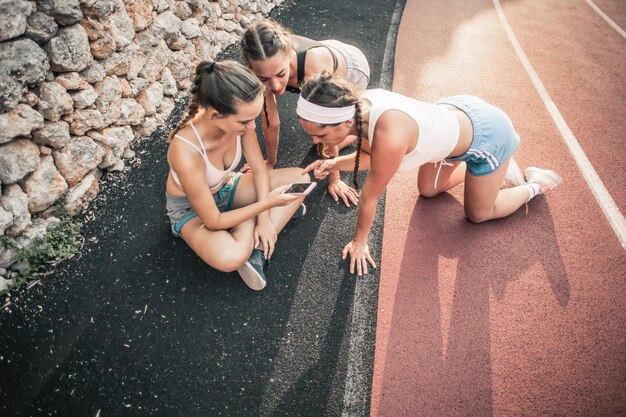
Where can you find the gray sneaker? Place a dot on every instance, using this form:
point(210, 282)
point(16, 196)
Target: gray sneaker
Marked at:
point(543, 176)
point(252, 271)
point(514, 174)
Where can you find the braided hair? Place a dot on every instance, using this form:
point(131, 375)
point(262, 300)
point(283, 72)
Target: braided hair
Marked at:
point(330, 90)
point(263, 40)
point(221, 85)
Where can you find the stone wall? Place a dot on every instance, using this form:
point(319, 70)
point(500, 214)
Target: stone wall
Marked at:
point(80, 80)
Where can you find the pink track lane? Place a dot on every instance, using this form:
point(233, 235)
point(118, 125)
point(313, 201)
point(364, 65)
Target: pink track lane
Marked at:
point(523, 316)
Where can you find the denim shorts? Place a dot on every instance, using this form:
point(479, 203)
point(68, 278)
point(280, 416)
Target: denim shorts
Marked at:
point(357, 68)
point(494, 139)
point(179, 208)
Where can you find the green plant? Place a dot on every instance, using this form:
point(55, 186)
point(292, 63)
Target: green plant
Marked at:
point(7, 242)
point(60, 242)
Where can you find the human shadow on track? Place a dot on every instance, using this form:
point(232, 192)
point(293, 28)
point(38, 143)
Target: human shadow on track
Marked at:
point(441, 325)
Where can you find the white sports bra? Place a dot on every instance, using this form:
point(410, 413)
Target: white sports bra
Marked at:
point(214, 176)
point(438, 127)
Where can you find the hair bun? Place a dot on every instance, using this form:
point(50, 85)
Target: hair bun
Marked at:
point(326, 75)
point(205, 66)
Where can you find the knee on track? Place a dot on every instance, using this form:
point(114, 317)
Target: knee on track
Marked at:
point(478, 216)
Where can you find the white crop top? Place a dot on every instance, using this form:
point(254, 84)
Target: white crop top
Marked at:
point(214, 176)
point(438, 127)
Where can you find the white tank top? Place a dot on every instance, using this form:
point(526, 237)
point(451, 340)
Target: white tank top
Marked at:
point(438, 127)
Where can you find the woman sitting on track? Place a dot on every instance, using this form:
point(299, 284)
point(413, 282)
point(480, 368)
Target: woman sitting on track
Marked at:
point(458, 139)
point(282, 61)
point(231, 220)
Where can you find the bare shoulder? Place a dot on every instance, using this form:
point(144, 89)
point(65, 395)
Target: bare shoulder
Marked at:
point(393, 119)
point(184, 132)
point(394, 129)
point(176, 145)
point(318, 59)
point(179, 152)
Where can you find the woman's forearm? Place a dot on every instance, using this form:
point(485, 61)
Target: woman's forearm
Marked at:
point(271, 134)
point(271, 127)
point(346, 162)
point(229, 219)
point(367, 211)
point(262, 188)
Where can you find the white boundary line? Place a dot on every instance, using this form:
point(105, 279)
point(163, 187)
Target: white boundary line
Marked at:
point(357, 387)
point(606, 202)
point(605, 17)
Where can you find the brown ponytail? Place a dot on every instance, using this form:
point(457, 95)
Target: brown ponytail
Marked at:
point(221, 85)
point(359, 132)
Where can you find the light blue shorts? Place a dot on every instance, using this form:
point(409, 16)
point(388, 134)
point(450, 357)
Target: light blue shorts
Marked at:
point(179, 208)
point(494, 139)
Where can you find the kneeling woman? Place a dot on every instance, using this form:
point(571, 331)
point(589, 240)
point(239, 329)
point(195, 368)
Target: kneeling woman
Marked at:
point(458, 139)
point(231, 220)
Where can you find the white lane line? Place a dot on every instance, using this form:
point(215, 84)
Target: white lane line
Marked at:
point(358, 382)
point(608, 19)
point(386, 76)
point(606, 202)
point(357, 388)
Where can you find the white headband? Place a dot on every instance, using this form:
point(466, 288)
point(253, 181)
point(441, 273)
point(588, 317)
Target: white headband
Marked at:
point(323, 115)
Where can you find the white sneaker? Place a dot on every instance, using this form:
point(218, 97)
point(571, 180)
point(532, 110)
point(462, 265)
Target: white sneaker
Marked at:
point(514, 174)
point(543, 176)
point(252, 271)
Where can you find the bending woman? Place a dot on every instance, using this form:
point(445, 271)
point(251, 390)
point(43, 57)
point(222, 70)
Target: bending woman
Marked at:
point(283, 61)
point(458, 139)
point(230, 220)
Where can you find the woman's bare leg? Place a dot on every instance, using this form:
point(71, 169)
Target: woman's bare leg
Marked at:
point(484, 200)
point(224, 250)
point(449, 177)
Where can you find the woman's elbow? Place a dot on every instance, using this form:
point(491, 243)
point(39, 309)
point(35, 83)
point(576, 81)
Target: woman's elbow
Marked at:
point(212, 225)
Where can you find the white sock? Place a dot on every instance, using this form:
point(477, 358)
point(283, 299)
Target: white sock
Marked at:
point(534, 190)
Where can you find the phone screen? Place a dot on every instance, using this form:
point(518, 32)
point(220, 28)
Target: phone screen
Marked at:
point(298, 188)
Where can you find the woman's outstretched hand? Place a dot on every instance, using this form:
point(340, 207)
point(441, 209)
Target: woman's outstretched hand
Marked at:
point(339, 189)
point(321, 168)
point(359, 256)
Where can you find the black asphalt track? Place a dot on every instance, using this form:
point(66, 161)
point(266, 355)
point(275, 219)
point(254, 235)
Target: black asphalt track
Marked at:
point(137, 325)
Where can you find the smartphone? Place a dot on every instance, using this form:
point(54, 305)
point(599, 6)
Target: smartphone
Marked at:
point(301, 188)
